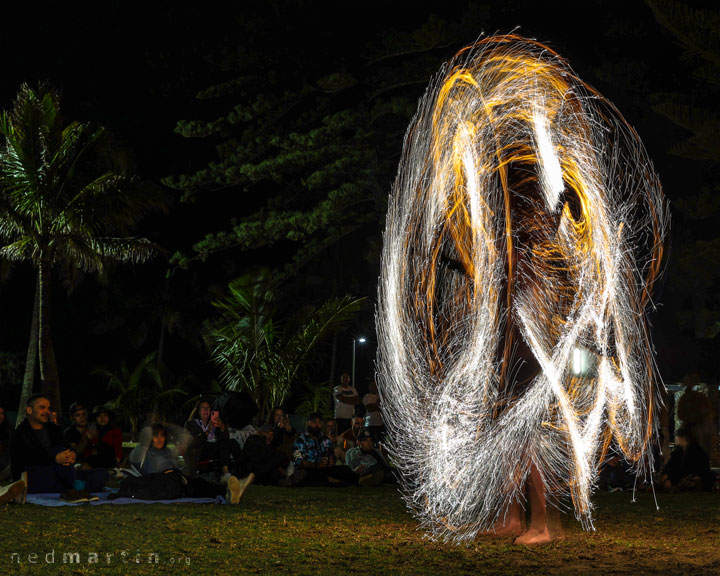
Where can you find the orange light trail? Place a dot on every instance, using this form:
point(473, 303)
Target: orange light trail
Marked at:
point(524, 232)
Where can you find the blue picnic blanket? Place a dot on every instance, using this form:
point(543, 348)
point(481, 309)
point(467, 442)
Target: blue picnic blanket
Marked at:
point(54, 500)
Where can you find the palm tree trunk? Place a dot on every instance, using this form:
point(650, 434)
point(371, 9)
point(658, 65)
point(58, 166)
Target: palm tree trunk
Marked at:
point(48, 367)
point(28, 385)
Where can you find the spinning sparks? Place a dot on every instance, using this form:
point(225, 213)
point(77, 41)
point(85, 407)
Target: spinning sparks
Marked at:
point(523, 238)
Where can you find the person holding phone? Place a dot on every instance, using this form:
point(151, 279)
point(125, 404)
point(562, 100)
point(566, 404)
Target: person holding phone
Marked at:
point(210, 440)
point(284, 434)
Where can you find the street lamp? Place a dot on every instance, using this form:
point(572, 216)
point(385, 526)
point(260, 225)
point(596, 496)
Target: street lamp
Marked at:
point(361, 341)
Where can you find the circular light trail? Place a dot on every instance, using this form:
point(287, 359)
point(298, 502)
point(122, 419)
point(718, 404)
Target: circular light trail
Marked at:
point(523, 237)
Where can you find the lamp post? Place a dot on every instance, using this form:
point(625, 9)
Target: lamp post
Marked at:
point(361, 341)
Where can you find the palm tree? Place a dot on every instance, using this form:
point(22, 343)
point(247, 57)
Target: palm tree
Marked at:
point(141, 391)
point(66, 197)
point(261, 354)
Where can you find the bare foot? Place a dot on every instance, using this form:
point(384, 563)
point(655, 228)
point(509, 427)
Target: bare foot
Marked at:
point(511, 528)
point(535, 537)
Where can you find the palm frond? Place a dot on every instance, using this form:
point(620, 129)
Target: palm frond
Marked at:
point(22, 249)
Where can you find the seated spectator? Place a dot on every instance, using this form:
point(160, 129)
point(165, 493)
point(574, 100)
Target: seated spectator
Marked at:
point(258, 457)
point(284, 434)
point(373, 417)
point(15, 493)
point(315, 458)
point(615, 475)
point(5, 439)
point(688, 467)
point(108, 433)
point(329, 429)
point(367, 464)
point(162, 480)
point(240, 436)
point(210, 440)
point(80, 437)
point(348, 439)
point(152, 454)
point(40, 453)
point(84, 440)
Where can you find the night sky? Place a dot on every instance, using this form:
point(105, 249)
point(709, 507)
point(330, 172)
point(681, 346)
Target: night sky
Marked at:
point(136, 68)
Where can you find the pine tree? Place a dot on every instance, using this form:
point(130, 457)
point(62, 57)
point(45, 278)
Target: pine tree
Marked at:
point(310, 129)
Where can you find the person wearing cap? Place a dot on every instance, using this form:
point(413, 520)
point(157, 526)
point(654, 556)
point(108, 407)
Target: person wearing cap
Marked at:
point(370, 468)
point(84, 439)
point(108, 433)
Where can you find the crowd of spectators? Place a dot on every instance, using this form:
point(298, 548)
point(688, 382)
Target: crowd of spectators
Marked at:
point(211, 456)
point(205, 458)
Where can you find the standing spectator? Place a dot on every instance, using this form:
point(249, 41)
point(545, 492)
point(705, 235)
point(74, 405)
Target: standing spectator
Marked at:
point(5, 439)
point(108, 433)
point(40, 452)
point(346, 398)
point(373, 417)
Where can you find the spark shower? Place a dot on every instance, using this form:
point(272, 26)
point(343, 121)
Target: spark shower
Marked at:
point(523, 237)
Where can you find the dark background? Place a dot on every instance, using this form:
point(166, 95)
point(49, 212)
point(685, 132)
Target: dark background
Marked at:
point(136, 68)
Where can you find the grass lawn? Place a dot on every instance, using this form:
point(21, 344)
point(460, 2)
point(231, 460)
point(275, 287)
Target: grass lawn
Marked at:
point(352, 531)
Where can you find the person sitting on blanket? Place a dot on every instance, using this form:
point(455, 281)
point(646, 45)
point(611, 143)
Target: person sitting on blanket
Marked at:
point(84, 439)
point(108, 432)
point(40, 454)
point(210, 440)
point(153, 459)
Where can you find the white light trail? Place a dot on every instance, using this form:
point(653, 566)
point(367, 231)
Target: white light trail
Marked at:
point(523, 237)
